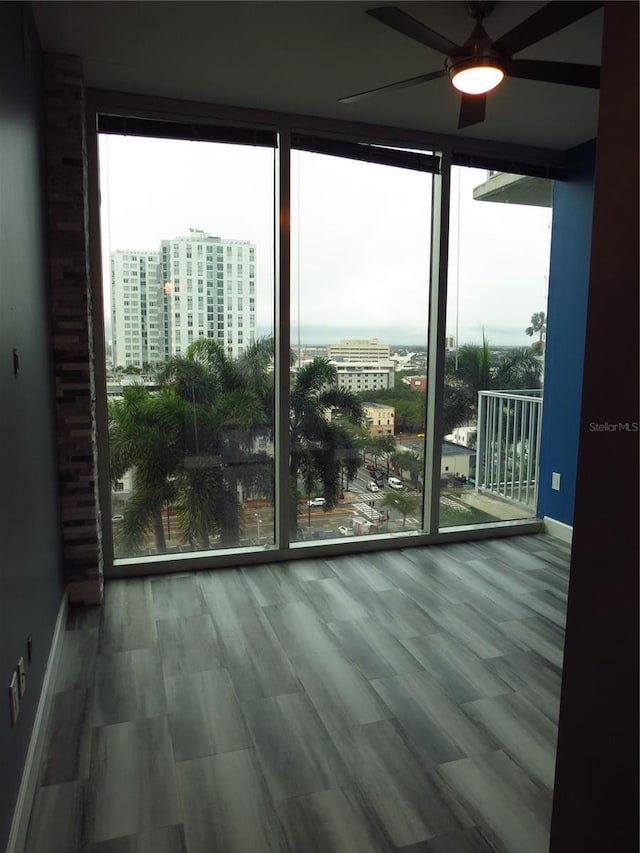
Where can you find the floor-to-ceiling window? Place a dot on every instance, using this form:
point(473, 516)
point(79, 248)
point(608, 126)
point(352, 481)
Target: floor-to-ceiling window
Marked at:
point(500, 234)
point(360, 261)
point(274, 344)
point(188, 270)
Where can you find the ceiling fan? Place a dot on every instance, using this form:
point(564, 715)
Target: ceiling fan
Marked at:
point(480, 64)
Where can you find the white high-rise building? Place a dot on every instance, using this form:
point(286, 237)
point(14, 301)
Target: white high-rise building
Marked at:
point(199, 286)
point(136, 306)
point(210, 285)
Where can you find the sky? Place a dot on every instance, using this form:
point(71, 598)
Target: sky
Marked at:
point(360, 247)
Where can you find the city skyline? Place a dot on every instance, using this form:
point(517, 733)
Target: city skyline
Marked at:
point(346, 278)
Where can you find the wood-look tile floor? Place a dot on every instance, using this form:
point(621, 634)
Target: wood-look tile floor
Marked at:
point(398, 701)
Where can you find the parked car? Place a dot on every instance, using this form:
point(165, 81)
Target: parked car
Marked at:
point(345, 531)
point(373, 487)
point(395, 483)
point(371, 467)
point(318, 502)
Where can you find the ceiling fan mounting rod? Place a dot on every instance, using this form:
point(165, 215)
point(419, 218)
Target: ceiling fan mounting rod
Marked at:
point(479, 9)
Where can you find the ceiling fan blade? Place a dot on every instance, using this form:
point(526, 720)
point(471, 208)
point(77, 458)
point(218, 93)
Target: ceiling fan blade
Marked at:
point(394, 17)
point(401, 84)
point(568, 73)
point(546, 21)
point(472, 110)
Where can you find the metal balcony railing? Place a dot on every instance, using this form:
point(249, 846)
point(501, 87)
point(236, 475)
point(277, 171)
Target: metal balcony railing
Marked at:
point(508, 444)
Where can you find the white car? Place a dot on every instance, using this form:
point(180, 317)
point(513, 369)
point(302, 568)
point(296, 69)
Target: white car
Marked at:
point(373, 487)
point(345, 531)
point(318, 502)
point(395, 483)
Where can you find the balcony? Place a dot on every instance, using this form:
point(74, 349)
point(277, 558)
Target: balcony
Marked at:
point(508, 449)
point(515, 189)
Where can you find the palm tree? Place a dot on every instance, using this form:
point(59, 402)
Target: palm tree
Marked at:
point(518, 370)
point(321, 446)
point(474, 366)
point(255, 365)
point(538, 325)
point(465, 375)
point(221, 413)
point(145, 437)
point(192, 443)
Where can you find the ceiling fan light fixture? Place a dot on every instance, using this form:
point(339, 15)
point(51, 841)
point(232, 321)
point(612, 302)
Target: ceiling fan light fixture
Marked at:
point(476, 75)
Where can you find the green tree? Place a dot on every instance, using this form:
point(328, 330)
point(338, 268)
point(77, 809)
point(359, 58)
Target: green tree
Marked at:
point(517, 370)
point(221, 413)
point(255, 366)
point(538, 326)
point(473, 367)
point(411, 462)
point(321, 447)
point(457, 405)
point(385, 446)
point(146, 438)
point(403, 502)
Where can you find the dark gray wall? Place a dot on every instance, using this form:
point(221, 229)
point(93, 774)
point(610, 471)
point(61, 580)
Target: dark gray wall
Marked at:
point(30, 563)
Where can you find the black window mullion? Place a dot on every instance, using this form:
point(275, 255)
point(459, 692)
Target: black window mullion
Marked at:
point(194, 132)
point(415, 160)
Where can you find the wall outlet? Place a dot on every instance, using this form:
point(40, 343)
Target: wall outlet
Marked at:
point(21, 672)
point(555, 481)
point(14, 699)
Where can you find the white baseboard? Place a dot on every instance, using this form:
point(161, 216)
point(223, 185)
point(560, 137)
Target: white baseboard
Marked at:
point(22, 811)
point(559, 529)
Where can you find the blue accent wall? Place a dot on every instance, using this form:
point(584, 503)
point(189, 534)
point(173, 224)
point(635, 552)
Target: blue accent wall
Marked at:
point(566, 324)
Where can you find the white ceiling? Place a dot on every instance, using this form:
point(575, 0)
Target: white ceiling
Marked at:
point(301, 57)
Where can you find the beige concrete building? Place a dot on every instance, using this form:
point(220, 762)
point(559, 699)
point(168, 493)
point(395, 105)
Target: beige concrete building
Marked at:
point(352, 349)
point(380, 419)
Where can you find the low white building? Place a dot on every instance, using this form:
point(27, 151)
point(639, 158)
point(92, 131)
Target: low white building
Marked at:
point(364, 376)
point(464, 435)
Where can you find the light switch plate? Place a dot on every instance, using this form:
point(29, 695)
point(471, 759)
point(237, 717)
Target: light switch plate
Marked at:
point(14, 699)
point(22, 678)
point(555, 481)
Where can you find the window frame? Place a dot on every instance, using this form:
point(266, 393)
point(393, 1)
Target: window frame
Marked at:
point(349, 139)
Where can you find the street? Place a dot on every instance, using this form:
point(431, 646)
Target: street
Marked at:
point(356, 511)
